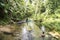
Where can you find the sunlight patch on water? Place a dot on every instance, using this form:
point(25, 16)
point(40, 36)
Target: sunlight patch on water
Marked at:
point(24, 30)
point(24, 34)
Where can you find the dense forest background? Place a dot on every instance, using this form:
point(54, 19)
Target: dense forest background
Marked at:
point(42, 12)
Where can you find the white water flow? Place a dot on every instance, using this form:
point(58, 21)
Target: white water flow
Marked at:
point(30, 31)
point(26, 35)
point(43, 29)
point(42, 33)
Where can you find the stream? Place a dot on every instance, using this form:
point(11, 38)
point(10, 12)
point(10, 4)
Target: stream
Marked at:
point(31, 32)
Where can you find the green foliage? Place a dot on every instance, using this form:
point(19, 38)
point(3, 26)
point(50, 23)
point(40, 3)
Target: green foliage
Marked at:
point(45, 12)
